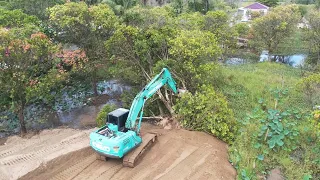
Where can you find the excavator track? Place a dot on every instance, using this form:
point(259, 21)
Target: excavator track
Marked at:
point(131, 159)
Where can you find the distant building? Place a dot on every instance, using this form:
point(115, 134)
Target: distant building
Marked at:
point(245, 12)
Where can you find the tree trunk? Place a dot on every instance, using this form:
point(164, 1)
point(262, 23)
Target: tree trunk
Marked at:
point(23, 128)
point(94, 83)
point(160, 108)
point(95, 89)
point(166, 103)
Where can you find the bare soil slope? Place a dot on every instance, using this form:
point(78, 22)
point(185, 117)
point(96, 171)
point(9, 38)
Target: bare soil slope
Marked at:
point(177, 154)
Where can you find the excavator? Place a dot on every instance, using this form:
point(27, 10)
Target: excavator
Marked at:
point(120, 136)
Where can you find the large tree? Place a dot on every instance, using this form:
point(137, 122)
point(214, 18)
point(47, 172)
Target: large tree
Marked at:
point(153, 40)
point(272, 29)
point(24, 63)
point(88, 28)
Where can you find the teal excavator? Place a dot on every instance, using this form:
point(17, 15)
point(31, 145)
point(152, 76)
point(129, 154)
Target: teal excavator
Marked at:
point(120, 137)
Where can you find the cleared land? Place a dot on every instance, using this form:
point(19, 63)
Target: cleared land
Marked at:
point(65, 154)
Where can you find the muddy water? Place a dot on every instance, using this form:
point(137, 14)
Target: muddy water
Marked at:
point(84, 116)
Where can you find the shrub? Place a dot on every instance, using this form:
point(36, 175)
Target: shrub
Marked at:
point(102, 116)
point(207, 111)
point(309, 86)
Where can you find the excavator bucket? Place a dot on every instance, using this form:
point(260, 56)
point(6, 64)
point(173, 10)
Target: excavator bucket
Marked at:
point(131, 159)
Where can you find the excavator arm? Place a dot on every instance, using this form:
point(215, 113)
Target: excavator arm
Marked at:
point(163, 78)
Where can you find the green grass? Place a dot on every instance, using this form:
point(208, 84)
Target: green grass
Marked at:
point(246, 84)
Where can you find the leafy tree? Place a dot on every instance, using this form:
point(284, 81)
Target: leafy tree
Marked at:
point(119, 6)
point(192, 54)
point(312, 36)
point(24, 64)
point(217, 22)
point(190, 21)
point(270, 3)
point(242, 29)
point(16, 18)
point(34, 7)
point(88, 28)
point(140, 46)
point(270, 30)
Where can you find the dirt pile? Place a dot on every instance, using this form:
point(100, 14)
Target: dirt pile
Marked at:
point(65, 154)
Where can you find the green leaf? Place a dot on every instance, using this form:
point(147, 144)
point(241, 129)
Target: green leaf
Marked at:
point(280, 142)
point(260, 157)
point(307, 177)
point(257, 145)
point(271, 143)
point(261, 100)
point(286, 132)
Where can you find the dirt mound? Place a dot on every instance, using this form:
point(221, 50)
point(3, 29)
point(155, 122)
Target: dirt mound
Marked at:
point(65, 154)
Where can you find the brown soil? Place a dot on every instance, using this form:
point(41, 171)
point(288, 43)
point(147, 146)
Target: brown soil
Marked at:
point(3, 141)
point(65, 154)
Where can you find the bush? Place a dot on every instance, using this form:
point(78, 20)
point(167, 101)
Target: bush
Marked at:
point(207, 111)
point(102, 116)
point(309, 86)
point(242, 29)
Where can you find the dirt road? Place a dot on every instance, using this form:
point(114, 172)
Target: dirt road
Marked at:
point(64, 154)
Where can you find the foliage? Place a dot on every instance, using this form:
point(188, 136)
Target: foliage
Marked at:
point(102, 115)
point(119, 6)
point(207, 111)
point(272, 29)
point(144, 18)
point(190, 21)
point(242, 29)
point(34, 7)
point(277, 136)
point(25, 62)
point(303, 10)
point(270, 3)
point(88, 28)
point(217, 22)
point(15, 18)
point(202, 6)
point(312, 36)
point(309, 86)
point(255, 14)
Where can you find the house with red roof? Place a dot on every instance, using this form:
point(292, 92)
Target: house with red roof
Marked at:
point(245, 12)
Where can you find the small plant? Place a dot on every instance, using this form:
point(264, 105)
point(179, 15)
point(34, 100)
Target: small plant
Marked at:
point(276, 128)
point(102, 116)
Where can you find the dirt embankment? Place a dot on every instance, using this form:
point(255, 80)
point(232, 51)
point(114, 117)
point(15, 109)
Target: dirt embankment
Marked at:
point(65, 154)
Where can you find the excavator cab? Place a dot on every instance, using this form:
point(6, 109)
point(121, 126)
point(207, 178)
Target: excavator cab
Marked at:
point(118, 117)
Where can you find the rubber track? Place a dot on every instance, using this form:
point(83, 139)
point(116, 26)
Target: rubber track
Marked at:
point(132, 157)
point(42, 152)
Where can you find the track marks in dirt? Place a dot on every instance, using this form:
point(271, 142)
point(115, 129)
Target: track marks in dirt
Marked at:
point(76, 169)
point(12, 160)
point(177, 154)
